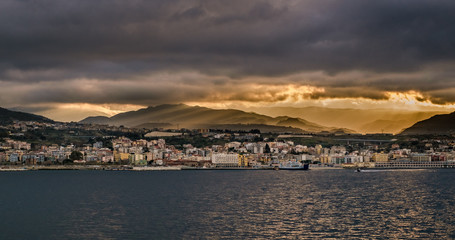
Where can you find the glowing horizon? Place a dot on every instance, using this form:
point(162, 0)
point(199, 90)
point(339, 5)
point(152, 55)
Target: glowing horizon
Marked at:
point(61, 61)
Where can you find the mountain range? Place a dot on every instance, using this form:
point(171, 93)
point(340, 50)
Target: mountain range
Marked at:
point(438, 125)
point(360, 120)
point(9, 116)
point(184, 116)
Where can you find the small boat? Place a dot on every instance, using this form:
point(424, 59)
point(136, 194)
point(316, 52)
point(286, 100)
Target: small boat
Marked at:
point(294, 166)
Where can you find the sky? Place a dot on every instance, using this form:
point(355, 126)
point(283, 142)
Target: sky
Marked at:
point(70, 59)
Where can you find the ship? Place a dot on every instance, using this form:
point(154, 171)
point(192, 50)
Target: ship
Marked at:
point(293, 166)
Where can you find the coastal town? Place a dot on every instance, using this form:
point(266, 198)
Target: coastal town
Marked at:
point(28, 145)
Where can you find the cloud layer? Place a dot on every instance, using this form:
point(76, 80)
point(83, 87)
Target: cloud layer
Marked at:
point(151, 52)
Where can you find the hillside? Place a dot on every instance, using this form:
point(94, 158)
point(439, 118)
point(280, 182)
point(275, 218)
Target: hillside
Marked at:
point(8, 116)
point(359, 120)
point(438, 124)
point(185, 116)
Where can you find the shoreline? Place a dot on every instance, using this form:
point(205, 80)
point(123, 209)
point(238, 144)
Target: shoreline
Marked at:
point(170, 168)
point(125, 168)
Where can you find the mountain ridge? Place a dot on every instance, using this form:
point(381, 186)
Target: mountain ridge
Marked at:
point(9, 116)
point(196, 116)
point(440, 124)
point(366, 121)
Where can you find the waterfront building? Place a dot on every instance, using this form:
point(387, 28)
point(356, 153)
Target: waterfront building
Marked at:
point(120, 157)
point(137, 159)
point(13, 158)
point(107, 158)
point(418, 157)
point(353, 159)
point(380, 157)
point(225, 159)
point(29, 158)
point(439, 157)
point(337, 159)
point(243, 161)
point(304, 157)
point(3, 157)
point(323, 159)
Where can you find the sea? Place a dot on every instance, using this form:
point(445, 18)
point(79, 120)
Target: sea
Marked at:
point(228, 204)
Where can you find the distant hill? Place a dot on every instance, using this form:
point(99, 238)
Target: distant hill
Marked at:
point(309, 126)
point(438, 124)
point(8, 116)
point(184, 116)
point(359, 120)
point(298, 123)
point(97, 120)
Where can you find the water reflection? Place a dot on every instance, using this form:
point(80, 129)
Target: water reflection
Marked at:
point(228, 204)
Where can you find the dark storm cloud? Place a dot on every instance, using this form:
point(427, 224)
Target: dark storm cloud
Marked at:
point(110, 41)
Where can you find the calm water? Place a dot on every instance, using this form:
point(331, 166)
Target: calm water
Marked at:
point(227, 204)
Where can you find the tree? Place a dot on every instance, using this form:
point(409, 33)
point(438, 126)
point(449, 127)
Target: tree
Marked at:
point(76, 155)
point(257, 131)
point(267, 148)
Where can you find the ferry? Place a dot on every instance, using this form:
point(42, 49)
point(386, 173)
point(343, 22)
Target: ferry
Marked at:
point(293, 166)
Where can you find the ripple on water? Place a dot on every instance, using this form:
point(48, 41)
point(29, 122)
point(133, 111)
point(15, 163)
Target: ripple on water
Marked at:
point(227, 204)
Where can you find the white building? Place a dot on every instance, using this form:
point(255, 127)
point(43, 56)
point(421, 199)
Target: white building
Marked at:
point(225, 159)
